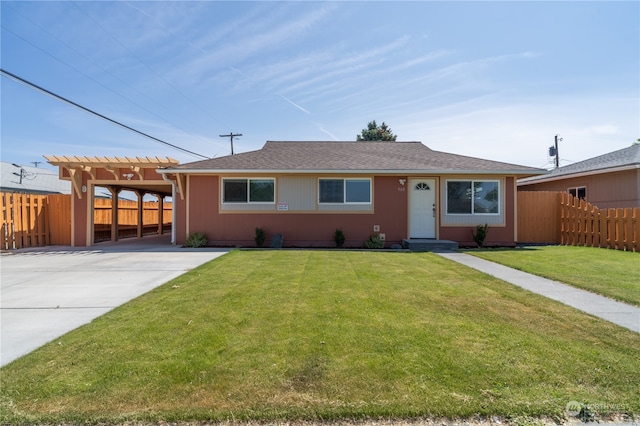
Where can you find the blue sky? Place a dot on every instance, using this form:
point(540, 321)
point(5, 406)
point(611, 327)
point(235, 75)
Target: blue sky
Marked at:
point(494, 80)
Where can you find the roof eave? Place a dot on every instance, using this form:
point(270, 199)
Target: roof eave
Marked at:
point(545, 179)
point(510, 172)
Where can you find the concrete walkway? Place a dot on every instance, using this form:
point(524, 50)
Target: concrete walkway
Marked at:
point(622, 314)
point(49, 291)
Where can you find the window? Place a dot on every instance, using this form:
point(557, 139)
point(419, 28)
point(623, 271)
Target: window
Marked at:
point(579, 192)
point(473, 197)
point(331, 191)
point(248, 190)
point(344, 191)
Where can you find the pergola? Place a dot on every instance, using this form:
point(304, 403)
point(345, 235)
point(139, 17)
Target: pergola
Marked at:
point(117, 174)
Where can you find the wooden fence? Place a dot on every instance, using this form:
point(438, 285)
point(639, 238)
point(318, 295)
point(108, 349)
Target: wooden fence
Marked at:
point(560, 218)
point(539, 217)
point(585, 225)
point(59, 214)
point(30, 220)
point(128, 218)
point(128, 212)
point(24, 220)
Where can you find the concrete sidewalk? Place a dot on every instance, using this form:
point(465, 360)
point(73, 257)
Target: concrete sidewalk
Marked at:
point(622, 314)
point(49, 291)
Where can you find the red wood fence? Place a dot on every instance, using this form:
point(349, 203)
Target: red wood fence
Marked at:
point(539, 217)
point(585, 225)
point(24, 221)
point(30, 220)
point(560, 218)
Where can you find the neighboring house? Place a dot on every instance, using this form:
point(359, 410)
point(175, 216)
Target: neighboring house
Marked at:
point(31, 180)
point(608, 181)
point(307, 190)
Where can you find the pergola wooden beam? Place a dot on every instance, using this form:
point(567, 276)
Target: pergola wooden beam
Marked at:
point(114, 162)
point(76, 165)
point(76, 180)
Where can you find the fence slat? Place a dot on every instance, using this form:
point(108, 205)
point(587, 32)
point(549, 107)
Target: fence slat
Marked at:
point(636, 229)
point(628, 229)
point(7, 221)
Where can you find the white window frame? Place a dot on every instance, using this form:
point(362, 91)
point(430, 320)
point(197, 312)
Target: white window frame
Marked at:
point(473, 213)
point(576, 189)
point(344, 192)
point(222, 193)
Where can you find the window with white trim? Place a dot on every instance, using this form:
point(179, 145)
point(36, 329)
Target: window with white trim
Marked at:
point(344, 191)
point(248, 190)
point(471, 197)
point(578, 192)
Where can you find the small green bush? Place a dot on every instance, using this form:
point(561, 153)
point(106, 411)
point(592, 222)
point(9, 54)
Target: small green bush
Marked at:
point(374, 242)
point(339, 237)
point(195, 240)
point(260, 237)
point(480, 234)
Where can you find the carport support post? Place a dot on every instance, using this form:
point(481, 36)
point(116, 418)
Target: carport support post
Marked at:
point(114, 212)
point(160, 214)
point(140, 195)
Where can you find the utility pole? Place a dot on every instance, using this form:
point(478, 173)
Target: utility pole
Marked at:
point(553, 151)
point(22, 173)
point(35, 163)
point(231, 136)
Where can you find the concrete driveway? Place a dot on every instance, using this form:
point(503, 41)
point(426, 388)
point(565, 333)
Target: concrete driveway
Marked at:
point(49, 291)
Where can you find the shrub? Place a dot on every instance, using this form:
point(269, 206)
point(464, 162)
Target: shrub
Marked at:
point(260, 237)
point(195, 240)
point(338, 237)
point(480, 234)
point(374, 242)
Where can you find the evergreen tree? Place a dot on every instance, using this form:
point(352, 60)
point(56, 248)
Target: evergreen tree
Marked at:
point(373, 132)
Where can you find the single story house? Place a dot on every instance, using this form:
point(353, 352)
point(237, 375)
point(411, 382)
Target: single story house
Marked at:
point(608, 181)
point(307, 190)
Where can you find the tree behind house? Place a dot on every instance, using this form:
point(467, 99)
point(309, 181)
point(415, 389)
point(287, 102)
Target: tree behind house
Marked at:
point(373, 132)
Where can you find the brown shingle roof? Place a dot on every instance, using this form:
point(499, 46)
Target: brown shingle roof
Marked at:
point(389, 157)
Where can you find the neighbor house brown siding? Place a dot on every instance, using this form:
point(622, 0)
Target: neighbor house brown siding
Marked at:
point(605, 190)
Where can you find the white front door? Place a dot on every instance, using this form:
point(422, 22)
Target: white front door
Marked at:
point(422, 208)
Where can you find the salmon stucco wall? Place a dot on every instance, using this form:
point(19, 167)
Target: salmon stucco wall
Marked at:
point(299, 229)
point(498, 235)
point(79, 212)
point(180, 218)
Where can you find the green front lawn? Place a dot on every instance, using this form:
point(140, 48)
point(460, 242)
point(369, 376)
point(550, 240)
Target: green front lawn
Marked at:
point(611, 273)
point(274, 335)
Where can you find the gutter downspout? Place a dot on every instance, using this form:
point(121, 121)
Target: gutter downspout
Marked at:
point(173, 209)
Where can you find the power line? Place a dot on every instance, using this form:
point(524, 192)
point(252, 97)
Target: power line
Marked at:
point(61, 98)
point(88, 76)
point(147, 66)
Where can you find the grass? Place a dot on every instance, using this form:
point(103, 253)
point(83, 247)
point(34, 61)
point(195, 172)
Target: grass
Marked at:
point(611, 273)
point(283, 335)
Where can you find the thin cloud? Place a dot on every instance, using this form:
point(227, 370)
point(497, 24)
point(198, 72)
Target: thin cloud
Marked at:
point(294, 104)
point(323, 130)
point(234, 53)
